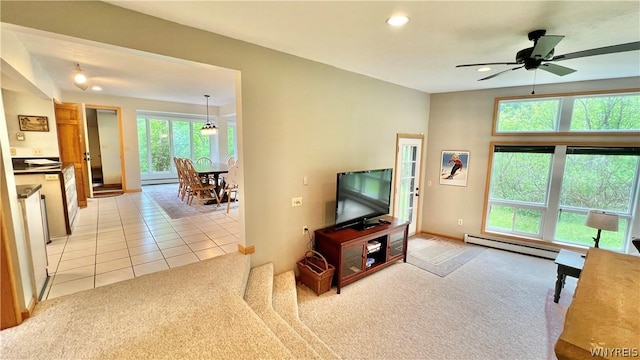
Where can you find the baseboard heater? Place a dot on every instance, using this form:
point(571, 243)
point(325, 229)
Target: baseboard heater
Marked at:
point(513, 245)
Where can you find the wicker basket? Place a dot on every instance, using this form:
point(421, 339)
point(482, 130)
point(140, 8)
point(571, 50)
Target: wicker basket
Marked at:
point(315, 272)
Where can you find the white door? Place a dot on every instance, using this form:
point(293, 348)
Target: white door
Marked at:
point(407, 179)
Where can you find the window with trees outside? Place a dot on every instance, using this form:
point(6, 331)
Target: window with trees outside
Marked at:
point(542, 190)
point(545, 192)
point(232, 138)
point(161, 137)
point(594, 113)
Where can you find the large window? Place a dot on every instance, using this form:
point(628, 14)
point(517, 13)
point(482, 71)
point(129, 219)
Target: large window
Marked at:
point(519, 189)
point(543, 189)
point(602, 113)
point(545, 192)
point(161, 137)
point(232, 137)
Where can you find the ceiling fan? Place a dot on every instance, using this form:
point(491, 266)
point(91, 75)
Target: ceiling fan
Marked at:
point(540, 56)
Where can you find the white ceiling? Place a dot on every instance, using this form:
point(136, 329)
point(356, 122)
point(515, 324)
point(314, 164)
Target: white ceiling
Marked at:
point(353, 35)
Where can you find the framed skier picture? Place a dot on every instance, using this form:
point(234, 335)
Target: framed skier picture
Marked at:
point(454, 168)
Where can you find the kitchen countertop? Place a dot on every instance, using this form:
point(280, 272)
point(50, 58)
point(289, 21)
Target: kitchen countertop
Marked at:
point(24, 191)
point(54, 169)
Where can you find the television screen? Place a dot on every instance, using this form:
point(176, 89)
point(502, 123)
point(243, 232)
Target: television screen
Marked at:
point(362, 195)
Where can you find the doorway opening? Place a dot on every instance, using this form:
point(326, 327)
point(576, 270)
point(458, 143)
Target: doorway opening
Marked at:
point(104, 148)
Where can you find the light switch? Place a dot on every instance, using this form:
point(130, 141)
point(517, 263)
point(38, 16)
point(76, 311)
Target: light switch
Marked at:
point(12, 151)
point(305, 180)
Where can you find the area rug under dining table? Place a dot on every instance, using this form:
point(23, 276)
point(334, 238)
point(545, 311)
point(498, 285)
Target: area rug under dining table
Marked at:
point(176, 208)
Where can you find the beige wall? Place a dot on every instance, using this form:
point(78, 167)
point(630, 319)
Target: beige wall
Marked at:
point(36, 143)
point(463, 121)
point(299, 118)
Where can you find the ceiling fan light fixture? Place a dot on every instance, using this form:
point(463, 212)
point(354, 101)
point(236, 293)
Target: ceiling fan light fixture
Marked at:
point(484, 69)
point(397, 20)
point(209, 128)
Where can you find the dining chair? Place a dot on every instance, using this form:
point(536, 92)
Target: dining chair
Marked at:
point(231, 161)
point(199, 191)
point(182, 185)
point(203, 161)
point(231, 185)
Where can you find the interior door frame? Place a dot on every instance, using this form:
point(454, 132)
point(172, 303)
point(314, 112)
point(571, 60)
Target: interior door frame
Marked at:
point(396, 180)
point(118, 111)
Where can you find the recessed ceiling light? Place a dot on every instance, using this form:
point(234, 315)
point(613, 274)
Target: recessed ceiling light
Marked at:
point(483, 69)
point(96, 88)
point(397, 20)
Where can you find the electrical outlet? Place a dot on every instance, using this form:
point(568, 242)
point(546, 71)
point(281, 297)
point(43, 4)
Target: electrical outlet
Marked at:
point(305, 230)
point(13, 151)
point(37, 151)
point(296, 201)
point(459, 221)
point(429, 183)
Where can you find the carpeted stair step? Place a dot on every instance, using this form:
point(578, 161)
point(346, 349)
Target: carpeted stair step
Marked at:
point(188, 312)
point(285, 303)
point(259, 295)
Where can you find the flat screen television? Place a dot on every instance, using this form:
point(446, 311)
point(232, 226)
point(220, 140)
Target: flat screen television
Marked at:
point(361, 196)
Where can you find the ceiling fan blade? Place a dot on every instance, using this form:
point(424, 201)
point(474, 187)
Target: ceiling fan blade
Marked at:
point(500, 73)
point(495, 63)
point(556, 69)
point(599, 51)
point(544, 45)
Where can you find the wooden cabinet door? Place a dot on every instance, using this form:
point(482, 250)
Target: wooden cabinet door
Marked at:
point(71, 143)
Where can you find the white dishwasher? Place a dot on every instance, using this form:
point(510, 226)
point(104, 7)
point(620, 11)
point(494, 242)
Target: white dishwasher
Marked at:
point(29, 196)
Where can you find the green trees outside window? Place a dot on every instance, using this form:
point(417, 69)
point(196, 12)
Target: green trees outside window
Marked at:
point(592, 113)
point(162, 139)
point(606, 113)
point(529, 115)
point(545, 191)
point(529, 196)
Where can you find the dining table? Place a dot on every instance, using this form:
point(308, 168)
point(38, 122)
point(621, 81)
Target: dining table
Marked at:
point(214, 170)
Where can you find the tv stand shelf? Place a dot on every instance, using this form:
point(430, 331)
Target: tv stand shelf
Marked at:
point(356, 253)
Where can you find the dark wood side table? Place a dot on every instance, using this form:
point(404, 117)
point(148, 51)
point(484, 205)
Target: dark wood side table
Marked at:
point(569, 263)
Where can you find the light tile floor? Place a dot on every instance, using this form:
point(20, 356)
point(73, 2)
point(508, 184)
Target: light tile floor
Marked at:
point(119, 238)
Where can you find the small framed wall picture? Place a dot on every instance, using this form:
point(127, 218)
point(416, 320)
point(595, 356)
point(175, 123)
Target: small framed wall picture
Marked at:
point(454, 168)
point(33, 123)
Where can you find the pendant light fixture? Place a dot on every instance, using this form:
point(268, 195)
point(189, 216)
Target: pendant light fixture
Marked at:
point(79, 78)
point(209, 128)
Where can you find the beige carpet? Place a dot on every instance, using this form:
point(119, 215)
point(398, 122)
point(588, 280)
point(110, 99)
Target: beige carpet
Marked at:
point(491, 308)
point(555, 314)
point(440, 256)
point(191, 312)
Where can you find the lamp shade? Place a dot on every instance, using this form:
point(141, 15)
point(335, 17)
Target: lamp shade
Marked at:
point(601, 220)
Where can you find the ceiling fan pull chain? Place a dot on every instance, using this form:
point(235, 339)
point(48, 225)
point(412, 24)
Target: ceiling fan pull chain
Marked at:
point(535, 73)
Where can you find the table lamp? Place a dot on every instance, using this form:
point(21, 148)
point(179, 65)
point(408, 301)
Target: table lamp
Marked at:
point(601, 221)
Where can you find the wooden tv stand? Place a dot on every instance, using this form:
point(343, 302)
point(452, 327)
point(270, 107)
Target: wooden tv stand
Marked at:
point(349, 249)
